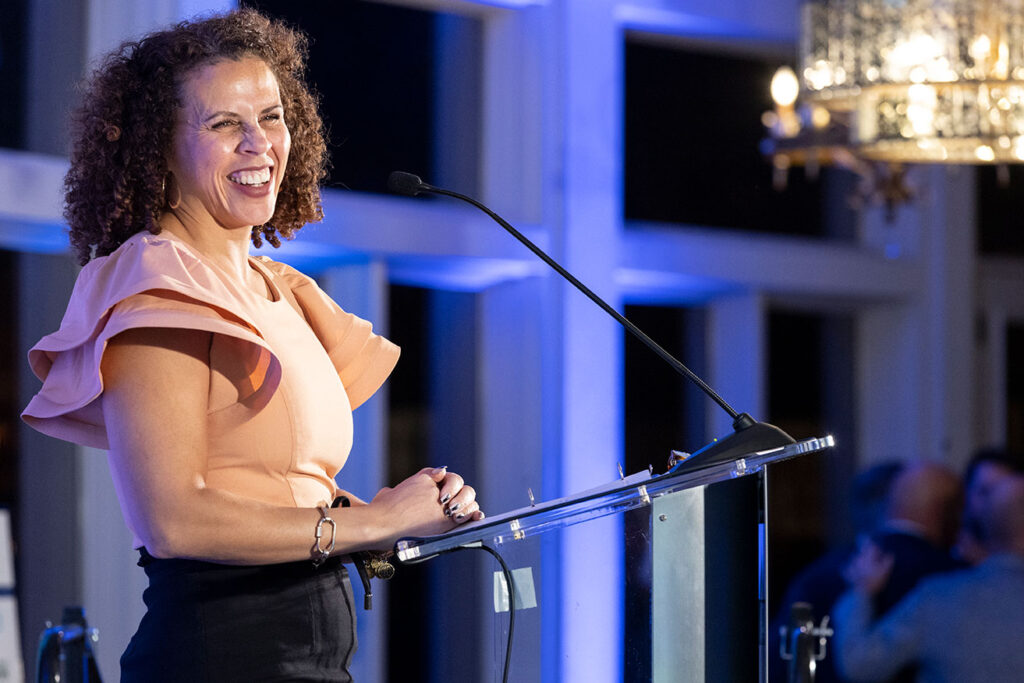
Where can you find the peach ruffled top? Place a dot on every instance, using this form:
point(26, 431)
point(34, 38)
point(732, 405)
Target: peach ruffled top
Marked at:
point(285, 372)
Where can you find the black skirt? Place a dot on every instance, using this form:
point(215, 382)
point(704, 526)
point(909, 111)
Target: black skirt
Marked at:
point(214, 622)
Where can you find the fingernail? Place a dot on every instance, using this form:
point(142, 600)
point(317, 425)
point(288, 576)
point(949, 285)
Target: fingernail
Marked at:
point(482, 515)
point(446, 498)
point(459, 517)
point(455, 507)
point(439, 470)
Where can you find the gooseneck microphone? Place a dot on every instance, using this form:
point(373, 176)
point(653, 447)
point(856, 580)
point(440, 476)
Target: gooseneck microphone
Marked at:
point(749, 436)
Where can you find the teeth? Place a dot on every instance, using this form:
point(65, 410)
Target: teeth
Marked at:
point(250, 177)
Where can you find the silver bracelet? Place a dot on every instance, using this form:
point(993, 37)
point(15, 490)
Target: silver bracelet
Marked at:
point(320, 554)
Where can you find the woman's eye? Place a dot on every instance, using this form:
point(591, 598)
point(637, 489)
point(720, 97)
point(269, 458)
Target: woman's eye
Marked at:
point(272, 117)
point(227, 123)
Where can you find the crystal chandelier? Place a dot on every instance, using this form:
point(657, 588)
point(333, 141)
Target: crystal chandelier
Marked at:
point(902, 81)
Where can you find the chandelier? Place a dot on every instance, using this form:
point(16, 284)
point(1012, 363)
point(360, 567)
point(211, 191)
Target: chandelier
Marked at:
point(883, 83)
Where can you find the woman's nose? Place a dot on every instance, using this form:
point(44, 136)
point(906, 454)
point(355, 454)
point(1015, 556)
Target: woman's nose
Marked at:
point(255, 140)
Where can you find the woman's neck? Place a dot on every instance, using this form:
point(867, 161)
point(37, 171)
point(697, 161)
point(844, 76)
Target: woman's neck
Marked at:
point(228, 249)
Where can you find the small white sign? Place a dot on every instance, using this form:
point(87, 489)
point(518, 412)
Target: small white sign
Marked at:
point(526, 596)
point(6, 552)
point(11, 667)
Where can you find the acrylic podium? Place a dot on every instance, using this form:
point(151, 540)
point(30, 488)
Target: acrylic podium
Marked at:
point(672, 564)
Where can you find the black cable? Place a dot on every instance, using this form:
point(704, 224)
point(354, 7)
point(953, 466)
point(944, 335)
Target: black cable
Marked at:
point(511, 605)
point(508, 582)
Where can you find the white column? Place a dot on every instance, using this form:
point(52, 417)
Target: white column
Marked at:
point(990, 390)
point(510, 436)
point(951, 266)
point(110, 22)
point(890, 420)
point(915, 358)
point(589, 70)
point(737, 363)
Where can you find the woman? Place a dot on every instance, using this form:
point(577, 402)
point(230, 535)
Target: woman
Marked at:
point(221, 384)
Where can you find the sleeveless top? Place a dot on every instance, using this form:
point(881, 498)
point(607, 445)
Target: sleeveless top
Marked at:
point(285, 372)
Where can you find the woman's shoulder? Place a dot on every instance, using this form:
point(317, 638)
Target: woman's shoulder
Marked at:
point(159, 271)
point(293, 278)
point(145, 259)
point(362, 358)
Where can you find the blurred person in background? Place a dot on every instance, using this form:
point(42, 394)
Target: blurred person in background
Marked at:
point(923, 514)
point(959, 627)
point(986, 470)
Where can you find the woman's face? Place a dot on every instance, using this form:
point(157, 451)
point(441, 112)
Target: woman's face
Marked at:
point(230, 144)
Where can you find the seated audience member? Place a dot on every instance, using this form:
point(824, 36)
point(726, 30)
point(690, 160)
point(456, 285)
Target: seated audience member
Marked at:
point(821, 583)
point(959, 627)
point(986, 470)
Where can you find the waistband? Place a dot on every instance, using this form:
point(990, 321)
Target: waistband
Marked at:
point(302, 567)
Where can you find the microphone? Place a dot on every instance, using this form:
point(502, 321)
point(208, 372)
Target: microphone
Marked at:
point(749, 435)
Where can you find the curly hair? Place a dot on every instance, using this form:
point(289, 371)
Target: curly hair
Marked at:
point(125, 124)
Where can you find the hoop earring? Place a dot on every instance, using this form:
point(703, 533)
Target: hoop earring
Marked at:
point(163, 191)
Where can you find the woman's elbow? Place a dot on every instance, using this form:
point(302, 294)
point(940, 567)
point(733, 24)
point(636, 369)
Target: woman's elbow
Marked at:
point(172, 532)
point(165, 541)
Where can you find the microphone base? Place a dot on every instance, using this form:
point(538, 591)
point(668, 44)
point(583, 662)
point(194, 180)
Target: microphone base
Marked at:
point(754, 438)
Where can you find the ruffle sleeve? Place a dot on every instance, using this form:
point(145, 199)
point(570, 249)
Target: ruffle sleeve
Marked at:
point(363, 359)
point(150, 281)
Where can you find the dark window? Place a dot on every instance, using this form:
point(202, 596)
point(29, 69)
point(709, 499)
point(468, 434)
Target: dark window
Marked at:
point(692, 134)
point(408, 451)
point(664, 411)
point(10, 404)
point(810, 394)
point(1015, 388)
point(1000, 207)
point(13, 66)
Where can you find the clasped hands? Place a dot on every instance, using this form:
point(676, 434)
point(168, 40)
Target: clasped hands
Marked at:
point(430, 502)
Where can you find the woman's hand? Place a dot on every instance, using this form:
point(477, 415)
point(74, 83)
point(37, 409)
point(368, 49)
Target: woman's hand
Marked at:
point(459, 500)
point(430, 502)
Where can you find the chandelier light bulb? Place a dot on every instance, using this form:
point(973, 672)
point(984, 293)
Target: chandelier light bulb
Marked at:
point(785, 87)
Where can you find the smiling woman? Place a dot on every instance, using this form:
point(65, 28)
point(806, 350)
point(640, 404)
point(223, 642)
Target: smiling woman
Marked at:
point(221, 384)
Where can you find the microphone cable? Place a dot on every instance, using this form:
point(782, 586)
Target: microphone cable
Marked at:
point(511, 603)
point(507, 573)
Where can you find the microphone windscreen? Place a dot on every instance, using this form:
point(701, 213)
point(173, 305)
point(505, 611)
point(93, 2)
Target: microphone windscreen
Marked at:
point(408, 184)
